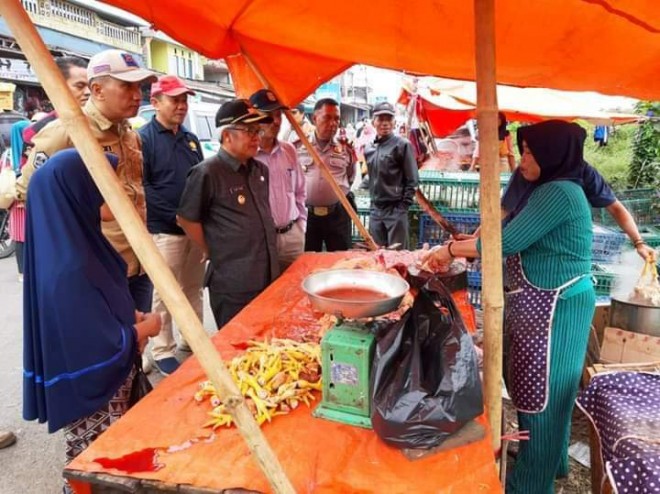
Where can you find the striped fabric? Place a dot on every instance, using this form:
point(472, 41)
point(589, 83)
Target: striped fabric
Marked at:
point(17, 222)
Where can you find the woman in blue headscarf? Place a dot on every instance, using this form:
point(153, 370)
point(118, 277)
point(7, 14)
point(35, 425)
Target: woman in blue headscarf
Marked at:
point(81, 330)
point(550, 298)
point(17, 210)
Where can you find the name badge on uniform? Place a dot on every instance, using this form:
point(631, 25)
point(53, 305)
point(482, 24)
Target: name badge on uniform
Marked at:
point(320, 210)
point(193, 145)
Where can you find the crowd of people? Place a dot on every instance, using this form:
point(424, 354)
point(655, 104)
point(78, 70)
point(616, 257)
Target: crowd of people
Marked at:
point(232, 223)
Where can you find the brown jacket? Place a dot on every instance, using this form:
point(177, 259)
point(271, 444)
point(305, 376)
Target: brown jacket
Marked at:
point(118, 139)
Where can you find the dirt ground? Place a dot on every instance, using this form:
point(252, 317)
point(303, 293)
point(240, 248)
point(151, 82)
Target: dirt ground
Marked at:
point(579, 477)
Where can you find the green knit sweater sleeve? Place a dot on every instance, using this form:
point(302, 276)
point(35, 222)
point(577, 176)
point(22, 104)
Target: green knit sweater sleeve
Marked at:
point(547, 208)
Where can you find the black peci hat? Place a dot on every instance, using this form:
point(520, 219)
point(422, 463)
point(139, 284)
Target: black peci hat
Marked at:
point(239, 111)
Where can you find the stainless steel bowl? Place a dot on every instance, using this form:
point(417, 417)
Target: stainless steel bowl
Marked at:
point(644, 319)
point(393, 286)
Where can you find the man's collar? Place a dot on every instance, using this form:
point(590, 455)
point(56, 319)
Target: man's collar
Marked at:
point(95, 114)
point(275, 147)
point(233, 162)
point(379, 140)
point(161, 128)
point(314, 140)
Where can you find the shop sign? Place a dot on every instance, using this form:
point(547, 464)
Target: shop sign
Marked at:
point(14, 69)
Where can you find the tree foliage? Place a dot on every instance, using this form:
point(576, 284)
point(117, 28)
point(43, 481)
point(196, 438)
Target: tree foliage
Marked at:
point(644, 169)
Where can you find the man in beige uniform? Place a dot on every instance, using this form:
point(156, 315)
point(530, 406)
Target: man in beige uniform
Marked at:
point(328, 224)
point(114, 82)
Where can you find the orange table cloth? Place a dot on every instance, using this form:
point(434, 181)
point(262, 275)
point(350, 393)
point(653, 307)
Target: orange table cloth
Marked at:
point(317, 455)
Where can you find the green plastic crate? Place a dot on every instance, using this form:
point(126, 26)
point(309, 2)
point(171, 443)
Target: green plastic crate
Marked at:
point(645, 211)
point(604, 279)
point(456, 192)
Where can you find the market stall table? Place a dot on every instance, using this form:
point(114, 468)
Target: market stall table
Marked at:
point(317, 455)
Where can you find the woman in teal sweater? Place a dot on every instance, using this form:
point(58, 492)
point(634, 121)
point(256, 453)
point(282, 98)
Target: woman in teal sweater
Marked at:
point(549, 298)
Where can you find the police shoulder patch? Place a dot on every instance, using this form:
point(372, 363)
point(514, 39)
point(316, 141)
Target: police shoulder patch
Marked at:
point(39, 159)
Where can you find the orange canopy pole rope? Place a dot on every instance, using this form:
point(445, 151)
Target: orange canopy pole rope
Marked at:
point(315, 156)
point(77, 126)
point(491, 218)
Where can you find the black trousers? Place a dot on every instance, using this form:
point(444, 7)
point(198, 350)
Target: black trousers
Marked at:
point(20, 256)
point(226, 305)
point(333, 230)
point(389, 226)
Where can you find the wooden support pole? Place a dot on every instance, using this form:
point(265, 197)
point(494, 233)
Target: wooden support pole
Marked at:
point(315, 156)
point(491, 218)
point(77, 126)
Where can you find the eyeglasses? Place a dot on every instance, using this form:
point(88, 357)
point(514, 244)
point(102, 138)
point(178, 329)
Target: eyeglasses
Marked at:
point(251, 131)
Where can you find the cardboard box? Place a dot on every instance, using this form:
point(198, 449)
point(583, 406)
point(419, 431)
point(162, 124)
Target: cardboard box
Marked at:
point(626, 347)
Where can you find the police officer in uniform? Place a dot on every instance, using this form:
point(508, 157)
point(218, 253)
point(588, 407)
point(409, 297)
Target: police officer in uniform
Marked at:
point(225, 210)
point(328, 224)
point(393, 180)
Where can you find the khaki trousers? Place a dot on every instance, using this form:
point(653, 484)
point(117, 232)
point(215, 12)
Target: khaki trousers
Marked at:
point(183, 257)
point(290, 245)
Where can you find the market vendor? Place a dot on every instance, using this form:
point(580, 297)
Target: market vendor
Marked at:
point(599, 194)
point(224, 209)
point(550, 297)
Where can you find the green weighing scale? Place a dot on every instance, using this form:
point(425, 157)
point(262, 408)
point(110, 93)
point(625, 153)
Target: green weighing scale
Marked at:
point(347, 349)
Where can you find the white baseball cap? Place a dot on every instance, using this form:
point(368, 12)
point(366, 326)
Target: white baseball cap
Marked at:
point(118, 64)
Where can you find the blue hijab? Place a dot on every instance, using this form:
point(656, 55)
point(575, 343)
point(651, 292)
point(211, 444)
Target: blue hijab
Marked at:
point(79, 343)
point(557, 147)
point(17, 144)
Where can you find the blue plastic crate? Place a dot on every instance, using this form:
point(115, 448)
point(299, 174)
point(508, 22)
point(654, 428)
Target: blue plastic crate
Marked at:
point(430, 232)
point(606, 244)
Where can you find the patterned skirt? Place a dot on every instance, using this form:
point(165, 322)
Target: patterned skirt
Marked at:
point(83, 432)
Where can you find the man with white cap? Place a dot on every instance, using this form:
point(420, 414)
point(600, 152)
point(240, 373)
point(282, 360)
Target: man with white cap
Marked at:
point(169, 151)
point(114, 82)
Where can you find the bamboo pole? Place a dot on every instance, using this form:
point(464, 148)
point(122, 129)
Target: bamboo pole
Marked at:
point(491, 227)
point(77, 126)
point(315, 156)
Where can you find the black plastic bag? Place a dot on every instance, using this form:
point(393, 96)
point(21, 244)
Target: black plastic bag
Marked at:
point(425, 381)
point(141, 386)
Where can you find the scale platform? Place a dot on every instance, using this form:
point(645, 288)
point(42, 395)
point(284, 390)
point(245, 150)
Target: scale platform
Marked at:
point(346, 355)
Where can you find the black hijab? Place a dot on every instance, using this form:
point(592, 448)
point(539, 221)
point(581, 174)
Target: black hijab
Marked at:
point(557, 147)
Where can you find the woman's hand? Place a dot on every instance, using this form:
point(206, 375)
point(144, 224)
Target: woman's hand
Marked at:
point(436, 258)
point(646, 252)
point(146, 327)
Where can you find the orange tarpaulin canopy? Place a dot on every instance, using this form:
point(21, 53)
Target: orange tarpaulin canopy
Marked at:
point(447, 104)
point(602, 45)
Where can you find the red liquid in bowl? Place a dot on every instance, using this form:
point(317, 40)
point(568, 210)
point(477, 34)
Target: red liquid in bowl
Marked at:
point(353, 294)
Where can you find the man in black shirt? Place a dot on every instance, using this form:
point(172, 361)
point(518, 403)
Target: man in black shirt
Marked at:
point(225, 210)
point(393, 180)
point(169, 152)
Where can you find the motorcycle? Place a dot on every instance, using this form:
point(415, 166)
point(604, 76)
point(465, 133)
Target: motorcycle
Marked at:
point(7, 246)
